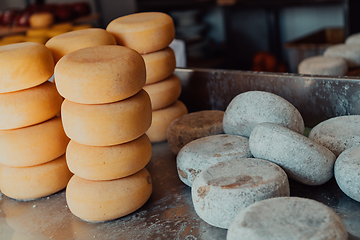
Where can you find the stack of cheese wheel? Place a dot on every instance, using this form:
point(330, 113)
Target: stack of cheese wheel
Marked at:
point(150, 34)
point(105, 114)
point(32, 138)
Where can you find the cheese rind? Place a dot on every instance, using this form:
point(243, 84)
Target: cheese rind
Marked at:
point(322, 65)
point(350, 52)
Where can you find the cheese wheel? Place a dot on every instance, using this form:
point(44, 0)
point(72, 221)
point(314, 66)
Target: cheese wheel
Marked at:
point(163, 94)
point(159, 65)
point(65, 43)
point(97, 201)
point(28, 183)
point(353, 39)
point(350, 52)
point(144, 32)
point(30, 106)
point(322, 65)
point(161, 120)
point(107, 124)
point(100, 74)
point(111, 162)
point(24, 65)
point(33, 145)
point(41, 19)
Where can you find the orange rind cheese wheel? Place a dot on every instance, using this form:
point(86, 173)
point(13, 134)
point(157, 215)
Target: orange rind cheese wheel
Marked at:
point(163, 94)
point(30, 106)
point(110, 162)
point(97, 201)
point(161, 120)
point(24, 65)
point(100, 74)
point(28, 183)
point(41, 19)
point(159, 65)
point(144, 32)
point(107, 124)
point(65, 43)
point(33, 145)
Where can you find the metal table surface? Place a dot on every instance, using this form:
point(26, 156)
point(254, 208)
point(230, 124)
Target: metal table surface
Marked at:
point(169, 213)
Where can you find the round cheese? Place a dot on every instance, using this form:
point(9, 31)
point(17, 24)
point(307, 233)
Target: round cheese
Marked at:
point(65, 43)
point(30, 106)
point(97, 201)
point(353, 39)
point(41, 19)
point(159, 65)
point(322, 65)
point(24, 65)
point(110, 162)
point(350, 52)
point(161, 120)
point(164, 93)
point(28, 183)
point(33, 145)
point(107, 124)
point(100, 74)
point(144, 32)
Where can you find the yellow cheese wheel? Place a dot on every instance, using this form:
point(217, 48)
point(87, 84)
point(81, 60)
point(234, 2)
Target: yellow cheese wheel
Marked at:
point(159, 65)
point(107, 124)
point(161, 120)
point(41, 19)
point(28, 183)
point(163, 94)
point(110, 162)
point(38, 32)
point(97, 201)
point(100, 74)
point(24, 65)
point(30, 106)
point(144, 32)
point(65, 43)
point(33, 145)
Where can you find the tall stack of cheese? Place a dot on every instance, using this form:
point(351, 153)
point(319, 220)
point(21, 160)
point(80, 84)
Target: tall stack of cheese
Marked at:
point(105, 114)
point(150, 34)
point(32, 139)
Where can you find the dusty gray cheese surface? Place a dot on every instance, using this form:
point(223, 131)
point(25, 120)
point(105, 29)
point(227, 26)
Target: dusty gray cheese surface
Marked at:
point(203, 152)
point(302, 159)
point(323, 65)
point(350, 52)
point(287, 218)
point(251, 108)
point(353, 39)
point(338, 133)
point(222, 190)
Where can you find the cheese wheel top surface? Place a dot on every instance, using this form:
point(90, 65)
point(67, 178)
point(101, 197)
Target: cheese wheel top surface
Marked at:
point(323, 66)
point(353, 39)
point(100, 74)
point(24, 65)
point(350, 52)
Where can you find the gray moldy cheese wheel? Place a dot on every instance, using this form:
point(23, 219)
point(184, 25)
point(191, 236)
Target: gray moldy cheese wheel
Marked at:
point(107, 124)
point(24, 65)
point(346, 171)
point(159, 65)
point(65, 43)
point(100, 74)
point(302, 159)
point(286, 218)
point(338, 133)
point(248, 109)
point(28, 183)
point(223, 189)
point(350, 52)
point(33, 145)
point(30, 106)
point(97, 201)
point(201, 153)
point(144, 32)
point(322, 65)
point(193, 126)
point(164, 93)
point(110, 162)
point(353, 39)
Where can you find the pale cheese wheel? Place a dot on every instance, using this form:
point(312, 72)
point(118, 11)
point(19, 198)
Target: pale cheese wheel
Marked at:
point(144, 32)
point(41, 19)
point(159, 65)
point(100, 74)
point(350, 52)
point(164, 93)
point(28, 183)
point(30, 106)
point(161, 120)
point(97, 201)
point(353, 39)
point(322, 65)
point(33, 145)
point(107, 124)
point(24, 65)
point(110, 162)
point(65, 43)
